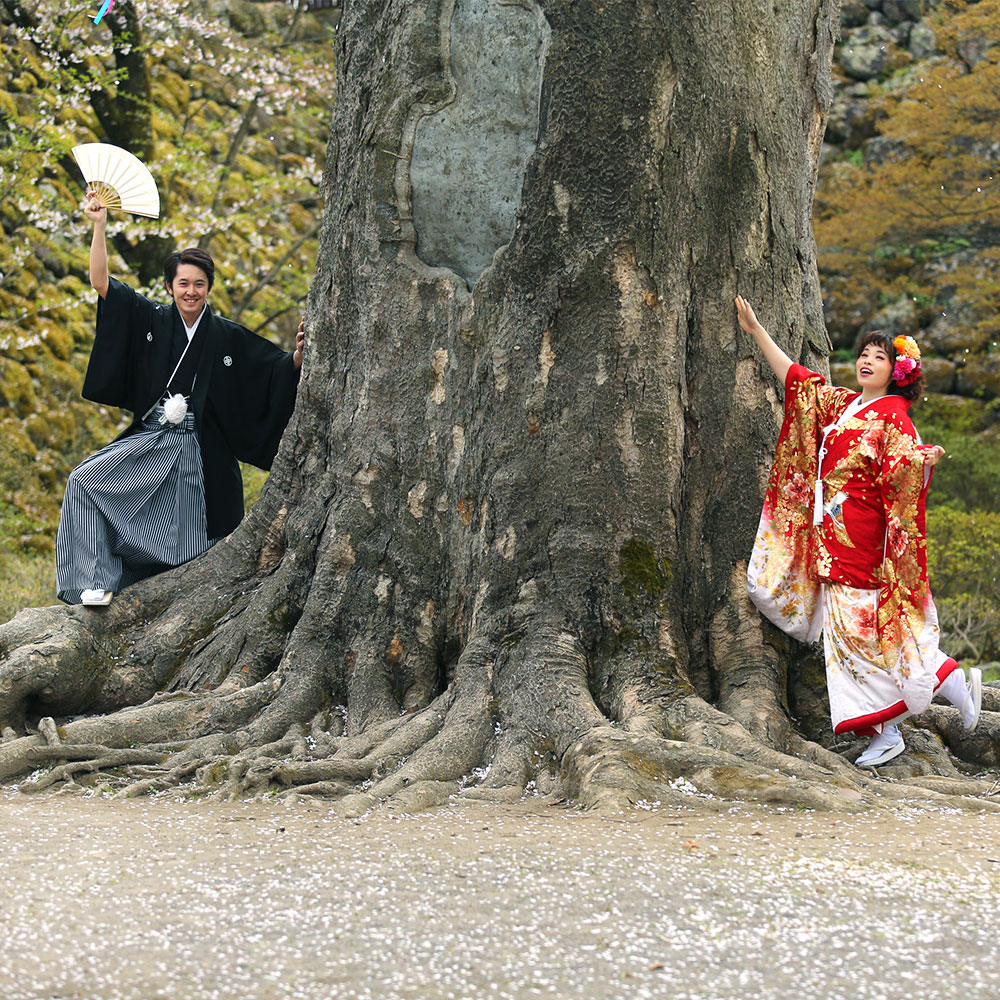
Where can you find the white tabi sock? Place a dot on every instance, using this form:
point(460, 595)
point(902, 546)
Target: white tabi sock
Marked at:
point(889, 737)
point(954, 687)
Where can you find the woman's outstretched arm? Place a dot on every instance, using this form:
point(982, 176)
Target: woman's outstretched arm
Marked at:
point(774, 355)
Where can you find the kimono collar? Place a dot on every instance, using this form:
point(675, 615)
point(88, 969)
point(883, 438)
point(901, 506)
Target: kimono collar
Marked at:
point(891, 402)
point(191, 330)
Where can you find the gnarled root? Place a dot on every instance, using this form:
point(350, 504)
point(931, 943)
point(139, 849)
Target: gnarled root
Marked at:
point(517, 714)
point(52, 661)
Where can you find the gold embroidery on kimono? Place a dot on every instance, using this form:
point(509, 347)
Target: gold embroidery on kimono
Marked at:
point(862, 569)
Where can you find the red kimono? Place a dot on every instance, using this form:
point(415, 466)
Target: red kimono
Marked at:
point(841, 547)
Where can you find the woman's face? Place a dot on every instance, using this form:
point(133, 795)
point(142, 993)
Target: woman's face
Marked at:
point(874, 368)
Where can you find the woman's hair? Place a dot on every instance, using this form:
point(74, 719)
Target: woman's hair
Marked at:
point(193, 255)
point(912, 391)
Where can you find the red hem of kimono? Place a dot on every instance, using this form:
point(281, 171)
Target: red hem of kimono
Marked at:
point(864, 725)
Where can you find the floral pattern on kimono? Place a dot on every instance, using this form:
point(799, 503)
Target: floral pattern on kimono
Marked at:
point(780, 575)
point(871, 539)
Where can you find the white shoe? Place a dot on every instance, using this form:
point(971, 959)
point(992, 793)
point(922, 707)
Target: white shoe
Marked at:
point(973, 703)
point(884, 747)
point(96, 598)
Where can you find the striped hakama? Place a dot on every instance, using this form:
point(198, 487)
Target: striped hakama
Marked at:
point(132, 509)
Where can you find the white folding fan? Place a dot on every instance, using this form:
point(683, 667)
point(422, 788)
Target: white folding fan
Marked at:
point(118, 178)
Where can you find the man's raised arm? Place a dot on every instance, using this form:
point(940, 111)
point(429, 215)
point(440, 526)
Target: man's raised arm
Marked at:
point(98, 214)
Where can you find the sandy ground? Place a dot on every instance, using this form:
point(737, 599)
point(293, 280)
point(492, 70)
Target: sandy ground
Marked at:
point(135, 900)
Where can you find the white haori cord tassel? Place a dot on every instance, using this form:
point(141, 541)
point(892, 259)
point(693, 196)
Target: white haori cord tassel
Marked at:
point(175, 408)
point(818, 505)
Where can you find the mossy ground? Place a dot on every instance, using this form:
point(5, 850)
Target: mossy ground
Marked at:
point(29, 580)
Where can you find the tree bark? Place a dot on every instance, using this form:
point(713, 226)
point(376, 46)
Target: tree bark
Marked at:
point(505, 536)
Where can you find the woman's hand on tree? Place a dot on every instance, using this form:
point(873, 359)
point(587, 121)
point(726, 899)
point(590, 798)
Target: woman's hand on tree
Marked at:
point(746, 316)
point(774, 355)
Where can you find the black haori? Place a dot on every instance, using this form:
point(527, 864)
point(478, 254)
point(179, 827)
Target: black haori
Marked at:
point(157, 495)
point(243, 393)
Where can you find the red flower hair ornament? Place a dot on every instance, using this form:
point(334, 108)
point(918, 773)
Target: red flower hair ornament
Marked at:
point(907, 368)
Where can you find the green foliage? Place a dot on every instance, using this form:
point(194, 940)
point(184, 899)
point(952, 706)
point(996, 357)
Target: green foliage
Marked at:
point(253, 483)
point(967, 477)
point(963, 555)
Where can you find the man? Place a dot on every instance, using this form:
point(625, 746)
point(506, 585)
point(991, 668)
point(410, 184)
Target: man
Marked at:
point(205, 394)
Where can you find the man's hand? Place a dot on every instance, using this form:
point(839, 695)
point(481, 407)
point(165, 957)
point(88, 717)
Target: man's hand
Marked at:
point(94, 210)
point(300, 339)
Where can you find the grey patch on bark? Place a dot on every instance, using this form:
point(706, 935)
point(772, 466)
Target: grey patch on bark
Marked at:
point(469, 156)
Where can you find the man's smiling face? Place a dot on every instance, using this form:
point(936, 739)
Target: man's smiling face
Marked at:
point(189, 290)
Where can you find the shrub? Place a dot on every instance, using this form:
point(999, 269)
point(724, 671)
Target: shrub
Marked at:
point(963, 555)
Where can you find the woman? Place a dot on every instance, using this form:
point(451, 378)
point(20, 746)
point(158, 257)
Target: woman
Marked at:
point(841, 544)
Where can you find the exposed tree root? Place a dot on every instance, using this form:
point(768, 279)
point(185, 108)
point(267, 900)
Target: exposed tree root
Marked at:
point(83, 760)
point(421, 759)
point(517, 714)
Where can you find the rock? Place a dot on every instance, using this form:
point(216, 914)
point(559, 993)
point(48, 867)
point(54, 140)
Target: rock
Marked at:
point(865, 52)
point(901, 33)
point(880, 149)
point(846, 305)
point(946, 334)
point(897, 317)
point(892, 13)
point(853, 13)
point(897, 11)
point(972, 48)
point(852, 117)
point(923, 41)
point(850, 122)
point(980, 378)
point(939, 374)
point(873, 4)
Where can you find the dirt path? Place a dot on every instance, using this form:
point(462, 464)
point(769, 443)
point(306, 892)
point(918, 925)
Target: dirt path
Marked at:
point(140, 900)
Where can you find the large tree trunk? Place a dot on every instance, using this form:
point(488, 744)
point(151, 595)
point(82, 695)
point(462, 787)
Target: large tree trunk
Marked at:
point(505, 536)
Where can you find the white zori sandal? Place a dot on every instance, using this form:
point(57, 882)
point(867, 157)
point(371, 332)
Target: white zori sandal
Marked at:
point(884, 747)
point(973, 703)
point(96, 598)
